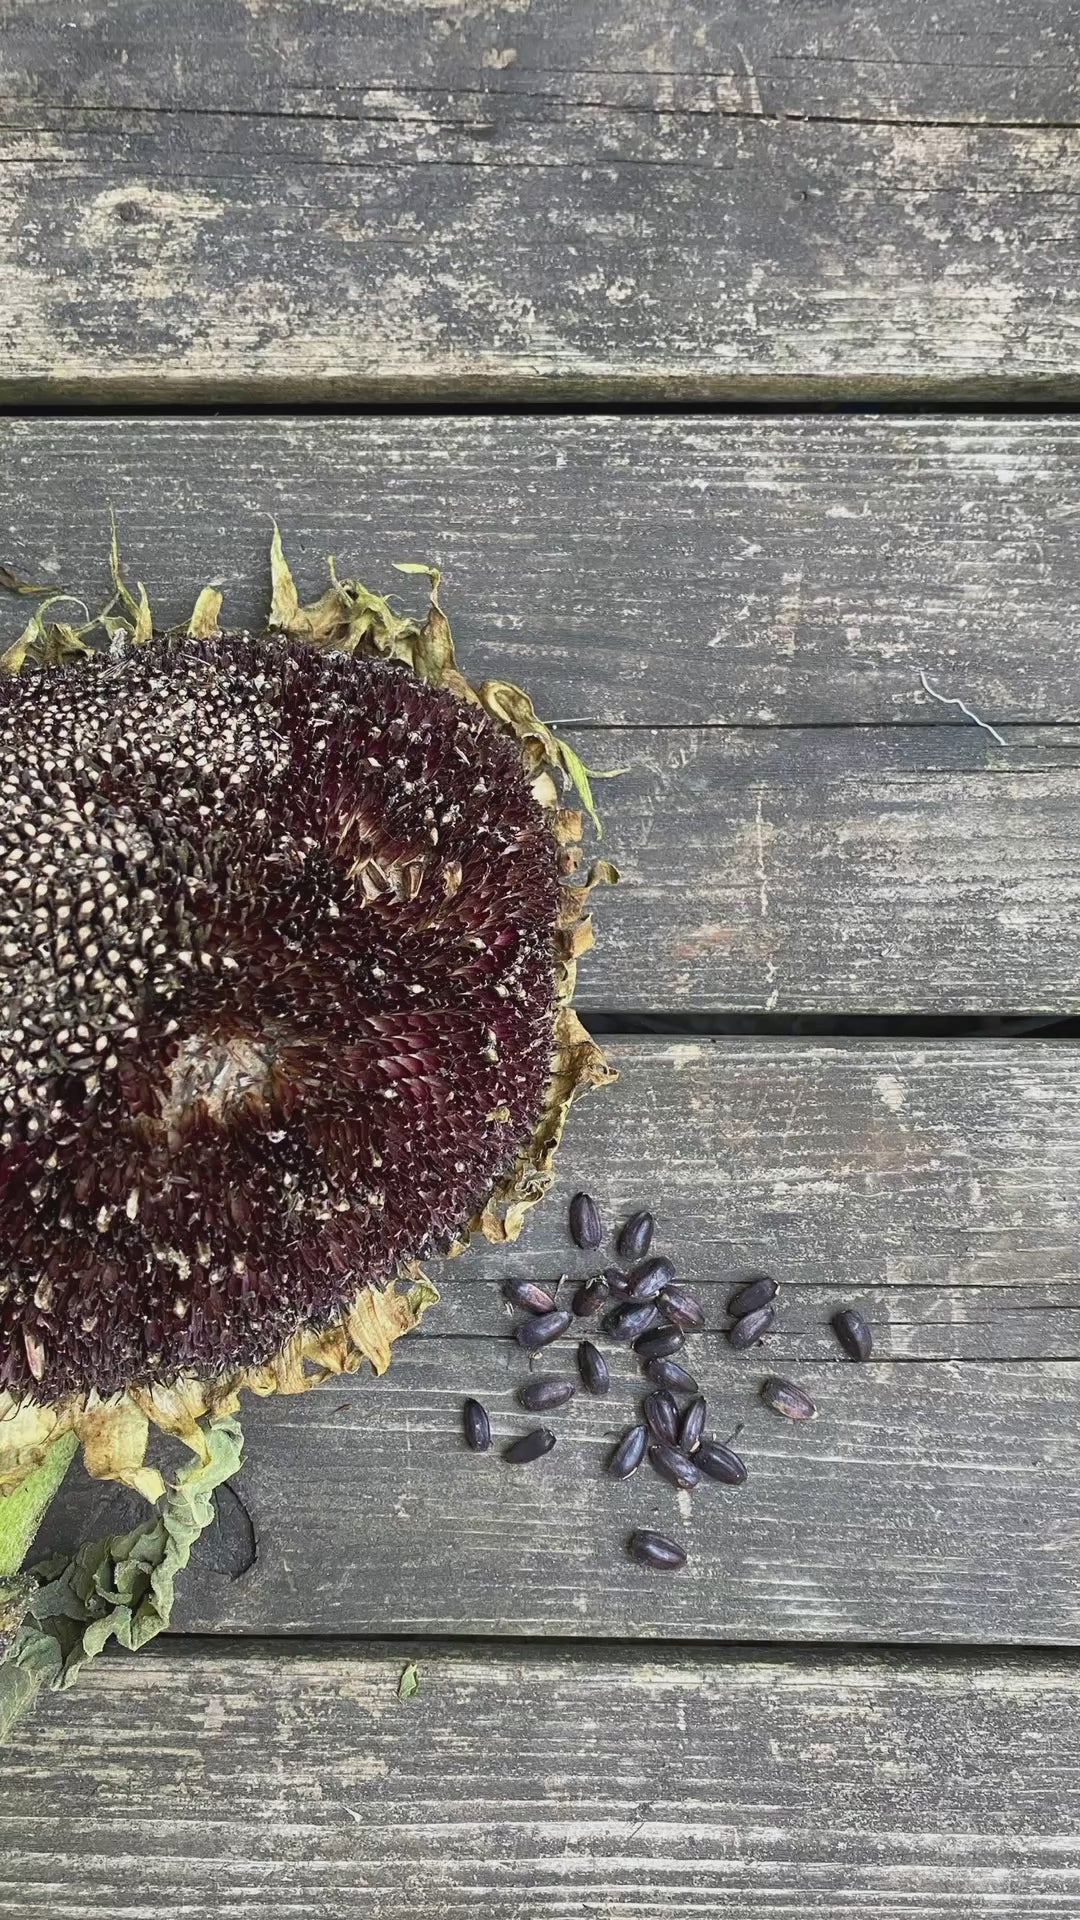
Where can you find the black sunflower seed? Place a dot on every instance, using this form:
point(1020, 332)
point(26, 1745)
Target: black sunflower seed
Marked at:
point(853, 1333)
point(674, 1466)
point(618, 1282)
point(661, 1415)
point(593, 1368)
point(544, 1392)
point(542, 1328)
point(629, 1453)
point(667, 1373)
point(692, 1425)
point(590, 1297)
point(657, 1345)
point(477, 1426)
point(526, 1293)
point(630, 1320)
point(635, 1236)
point(751, 1328)
point(754, 1293)
point(783, 1396)
point(649, 1276)
point(586, 1226)
point(720, 1463)
point(656, 1550)
point(682, 1309)
point(531, 1446)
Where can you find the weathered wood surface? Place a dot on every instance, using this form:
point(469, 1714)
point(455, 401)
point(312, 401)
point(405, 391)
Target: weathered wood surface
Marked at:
point(591, 1783)
point(664, 570)
point(502, 200)
point(937, 1497)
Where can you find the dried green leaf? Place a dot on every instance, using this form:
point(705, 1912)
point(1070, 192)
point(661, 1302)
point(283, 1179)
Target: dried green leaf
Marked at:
point(284, 599)
point(118, 1588)
point(409, 1682)
point(9, 579)
point(206, 614)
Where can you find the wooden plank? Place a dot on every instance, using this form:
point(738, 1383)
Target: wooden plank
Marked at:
point(517, 1781)
point(662, 571)
point(936, 1497)
point(219, 206)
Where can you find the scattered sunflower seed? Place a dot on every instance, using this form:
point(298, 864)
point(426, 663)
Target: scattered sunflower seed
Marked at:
point(593, 1368)
point(682, 1308)
point(542, 1328)
point(649, 1276)
point(629, 1453)
point(656, 1550)
point(477, 1426)
point(635, 1236)
point(531, 1446)
point(673, 1465)
point(586, 1226)
point(661, 1415)
point(754, 1293)
point(657, 1345)
point(545, 1391)
point(751, 1328)
point(783, 1396)
point(692, 1425)
point(720, 1462)
point(668, 1373)
point(618, 1282)
point(590, 1297)
point(631, 1319)
point(853, 1333)
point(526, 1293)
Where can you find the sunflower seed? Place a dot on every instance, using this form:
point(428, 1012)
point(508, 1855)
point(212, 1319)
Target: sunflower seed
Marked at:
point(692, 1425)
point(751, 1328)
point(853, 1333)
point(590, 1297)
point(593, 1368)
point(544, 1392)
point(674, 1466)
point(477, 1426)
point(586, 1226)
point(679, 1306)
point(542, 1328)
point(629, 1321)
point(649, 1276)
point(783, 1396)
point(754, 1293)
point(656, 1550)
point(661, 1415)
point(667, 1373)
point(720, 1463)
point(531, 1446)
point(656, 1346)
point(629, 1453)
point(635, 1236)
point(526, 1293)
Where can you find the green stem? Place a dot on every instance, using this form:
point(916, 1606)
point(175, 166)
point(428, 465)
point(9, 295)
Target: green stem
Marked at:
point(22, 1512)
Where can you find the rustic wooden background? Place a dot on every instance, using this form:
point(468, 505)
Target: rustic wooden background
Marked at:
point(548, 294)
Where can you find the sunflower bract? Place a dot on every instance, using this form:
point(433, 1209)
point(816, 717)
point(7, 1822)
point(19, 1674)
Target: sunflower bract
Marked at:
point(276, 996)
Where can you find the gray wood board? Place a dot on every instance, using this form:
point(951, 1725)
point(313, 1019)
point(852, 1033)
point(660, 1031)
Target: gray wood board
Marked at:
point(201, 205)
point(936, 1496)
point(516, 1781)
point(666, 570)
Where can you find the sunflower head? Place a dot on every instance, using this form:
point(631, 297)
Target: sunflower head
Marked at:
point(287, 943)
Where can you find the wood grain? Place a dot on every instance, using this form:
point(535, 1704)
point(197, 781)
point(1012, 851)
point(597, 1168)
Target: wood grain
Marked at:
point(658, 570)
point(517, 1781)
point(508, 202)
point(936, 1497)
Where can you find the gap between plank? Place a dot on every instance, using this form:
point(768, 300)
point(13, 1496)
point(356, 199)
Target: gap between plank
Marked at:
point(613, 1652)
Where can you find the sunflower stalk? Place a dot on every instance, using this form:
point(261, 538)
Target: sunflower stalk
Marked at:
point(118, 1588)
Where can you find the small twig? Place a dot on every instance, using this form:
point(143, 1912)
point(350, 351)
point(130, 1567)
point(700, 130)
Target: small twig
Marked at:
point(949, 700)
